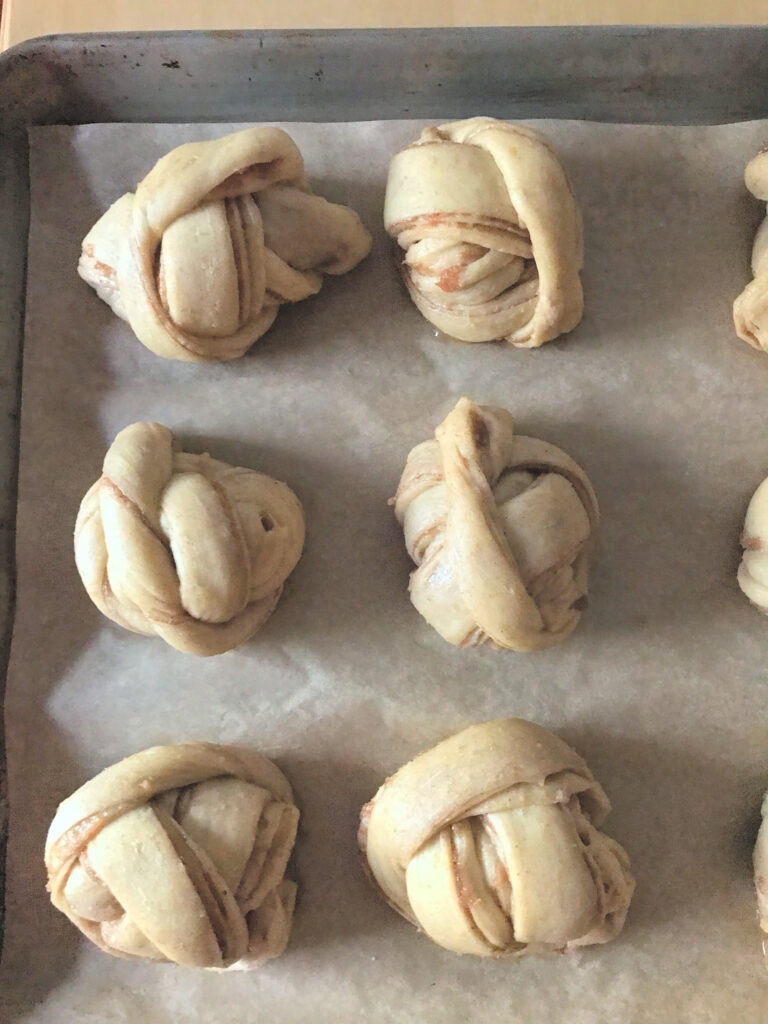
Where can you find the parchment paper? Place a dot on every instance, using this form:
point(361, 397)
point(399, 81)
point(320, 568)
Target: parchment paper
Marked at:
point(663, 687)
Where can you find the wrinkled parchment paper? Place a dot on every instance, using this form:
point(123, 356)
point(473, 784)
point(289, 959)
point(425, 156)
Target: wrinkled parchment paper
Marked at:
point(663, 688)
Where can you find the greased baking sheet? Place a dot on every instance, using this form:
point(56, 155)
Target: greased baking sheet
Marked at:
point(662, 688)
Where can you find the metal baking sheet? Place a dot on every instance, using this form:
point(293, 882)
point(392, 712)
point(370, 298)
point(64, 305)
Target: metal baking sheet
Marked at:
point(629, 74)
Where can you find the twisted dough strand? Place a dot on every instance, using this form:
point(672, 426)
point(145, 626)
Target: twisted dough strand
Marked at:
point(499, 527)
point(489, 843)
point(215, 238)
point(491, 232)
point(184, 546)
point(178, 853)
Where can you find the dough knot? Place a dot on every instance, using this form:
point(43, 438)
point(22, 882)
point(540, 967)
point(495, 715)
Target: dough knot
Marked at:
point(489, 843)
point(178, 853)
point(760, 860)
point(216, 237)
point(500, 528)
point(750, 310)
point(491, 232)
point(184, 546)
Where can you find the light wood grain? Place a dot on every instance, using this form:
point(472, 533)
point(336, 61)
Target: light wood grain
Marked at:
point(24, 19)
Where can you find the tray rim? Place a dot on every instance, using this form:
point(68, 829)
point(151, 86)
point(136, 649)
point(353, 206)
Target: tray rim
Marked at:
point(75, 46)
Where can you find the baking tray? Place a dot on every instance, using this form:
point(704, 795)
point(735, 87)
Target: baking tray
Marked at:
point(623, 74)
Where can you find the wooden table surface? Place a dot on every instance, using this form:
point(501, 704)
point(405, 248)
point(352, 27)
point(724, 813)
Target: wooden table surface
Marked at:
point(24, 19)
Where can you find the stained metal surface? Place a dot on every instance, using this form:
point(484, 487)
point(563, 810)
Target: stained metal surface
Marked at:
point(625, 74)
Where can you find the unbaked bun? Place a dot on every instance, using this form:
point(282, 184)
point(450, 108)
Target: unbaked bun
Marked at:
point(500, 527)
point(761, 876)
point(490, 230)
point(750, 310)
point(753, 570)
point(183, 546)
point(489, 844)
point(199, 259)
point(178, 853)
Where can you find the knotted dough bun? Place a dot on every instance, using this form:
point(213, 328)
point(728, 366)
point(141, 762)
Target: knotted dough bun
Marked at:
point(491, 232)
point(489, 844)
point(761, 876)
point(215, 238)
point(178, 853)
point(184, 546)
point(753, 570)
point(750, 310)
point(500, 528)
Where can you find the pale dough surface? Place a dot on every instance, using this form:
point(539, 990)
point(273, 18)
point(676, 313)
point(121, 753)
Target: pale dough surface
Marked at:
point(183, 546)
point(501, 528)
point(760, 859)
point(753, 568)
point(661, 689)
point(490, 232)
point(750, 310)
point(178, 854)
point(217, 236)
point(490, 843)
